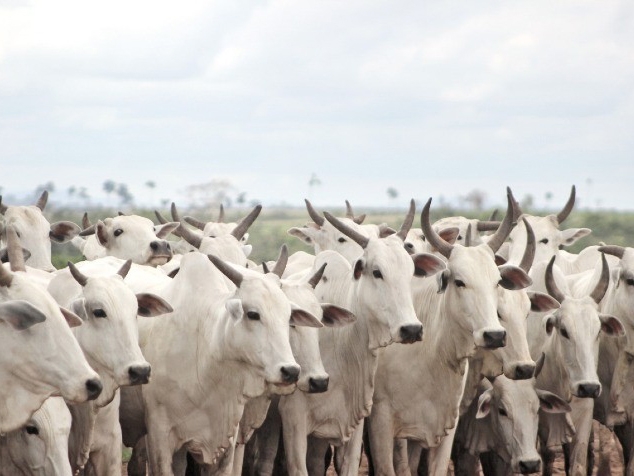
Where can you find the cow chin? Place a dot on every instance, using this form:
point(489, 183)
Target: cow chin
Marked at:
point(282, 388)
point(158, 260)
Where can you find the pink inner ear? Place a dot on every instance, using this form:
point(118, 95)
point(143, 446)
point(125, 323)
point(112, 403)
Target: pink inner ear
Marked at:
point(612, 326)
point(102, 236)
point(358, 269)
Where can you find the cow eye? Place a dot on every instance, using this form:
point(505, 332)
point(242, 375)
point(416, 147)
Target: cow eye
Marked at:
point(545, 241)
point(564, 332)
point(459, 237)
point(99, 313)
point(118, 231)
point(502, 412)
point(459, 283)
point(629, 281)
point(377, 274)
point(254, 316)
point(32, 430)
point(342, 240)
point(409, 245)
point(630, 357)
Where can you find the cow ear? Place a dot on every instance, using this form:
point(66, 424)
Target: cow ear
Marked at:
point(335, 316)
point(549, 321)
point(426, 264)
point(449, 234)
point(484, 404)
point(101, 233)
point(73, 319)
point(571, 235)
point(303, 234)
point(303, 318)
point(443, 280)
point(161, 231)
point(499, 260)
point(78, 306)
point(611, 325)
point(20, 314)
point(358, 269)
point(541, 302)
point(514, 278)
point(4, 255)
point(63, 231)
point(551, 403)
point(234, 307)
point(385, 230)
point(151, 305)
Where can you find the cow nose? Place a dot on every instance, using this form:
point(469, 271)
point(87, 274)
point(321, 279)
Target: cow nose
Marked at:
point(290, 373)
point(588, 390)
point(154, 245)
point(317, 385)
point(523, 372)
point(530, 466)
point(494, 339)
point(411, 333)
point(139, 374)
point(93, 388)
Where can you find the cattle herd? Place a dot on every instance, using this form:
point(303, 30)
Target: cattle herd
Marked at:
point(481, 342)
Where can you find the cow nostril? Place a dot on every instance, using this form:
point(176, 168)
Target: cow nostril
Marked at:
point(168, 247)
point(523, 372)
point(531, 466)
point(494, 339)
point(317, 385)
point(290, 374)
point(93, 388)
point(139, 374)
point(588, 390)
point(411, 333)
point(154, 245)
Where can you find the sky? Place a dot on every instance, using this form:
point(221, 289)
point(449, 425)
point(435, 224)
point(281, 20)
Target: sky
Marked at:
point(431, 98)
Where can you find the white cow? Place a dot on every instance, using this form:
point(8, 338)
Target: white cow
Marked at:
point(41, 446)
point(377, 290)
point(219, 348)
point(35, 232)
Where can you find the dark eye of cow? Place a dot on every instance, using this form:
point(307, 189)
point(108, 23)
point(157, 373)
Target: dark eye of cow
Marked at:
point(32, 430)
point(629, 281)
point(564, 332)
point(502, 412)
point(499, 317)
point(254, 316)
point(377, 274)
point(99, 313)
point(422, 237)
point(629, 357)
point(459, 283)
point(545, 241)
point(342, 240)
point(118, 231)
point(409, 245)
point(459, 237)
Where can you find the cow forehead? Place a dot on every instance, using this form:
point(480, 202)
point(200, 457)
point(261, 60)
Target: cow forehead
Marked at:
point(109, 290)
point(30, 215)
point(580, 312)
point(387, 251)
point(263, 294)
point(130, 221)
point(513, 303)
point(303, 295)
point(473, 262)
point(515, 394)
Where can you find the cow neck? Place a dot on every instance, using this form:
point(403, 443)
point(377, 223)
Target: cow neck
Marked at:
point(554, 376)
point(16, 402)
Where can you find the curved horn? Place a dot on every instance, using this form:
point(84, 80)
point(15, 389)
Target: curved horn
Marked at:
point(563, 214)
point(613, 250)
point(350, 214)
point(120, 213)
point(221, 214)
point(604, 281)
point(125, 269)
point(82, 279)
point(433, 238)
point(282, 261)
point(551, 285)
point(161, 219)
point(189, 236)
point(265, 268)
point(539, 365)
point(14, 250)
point(529, 252)
point(6, 277)
point(41, 202)
point(246, 222)
point(409, 220)
point(467, 238)
point(314, 216)
point(3, 208)
point(234, 276)
point(195, 222)
point(315, 278)
point(88, 231)
point(502, 233)
point(354, 235)
point(488, 225)
point(85, 221)
point(517, 210)
point(174, 211)
point(494, 215)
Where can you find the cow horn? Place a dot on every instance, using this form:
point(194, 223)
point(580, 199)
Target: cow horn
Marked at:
point(563, 214)
point(82, 279)
point(239, 231)
point(409, 220)
point(14, 250)
point(517, 210)
point(85, 221)
point(604, 281)
point(539, 365)
point(174, 211)
point(88, 231)
point(189, 236)
point(315, 278)
point(354, 235)
point(313, 213)
point(120, 213)
point(265, 268)
point(529, 252)
point(613, 250)
point(41, 202)
point(3, 208)
point(350, 214)
point(125, 269)
point(494, 215)
point(488, 225)
point(551, 285)
point(195, 222)
point(161, 219)
point(433, 238)
point(6, 277)
point(282, 261)
point(467, 238)
point(221, 214)
point(503, 231)
point(234, 276)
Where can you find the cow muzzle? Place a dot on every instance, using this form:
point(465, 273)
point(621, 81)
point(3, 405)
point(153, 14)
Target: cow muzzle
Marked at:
point(318, 385)
point(160, 252)
point(490, 339)
point(93, 388)
point(521, 371)
point(410, 333)
point(587, 390)
point(139, 374)
point(530, 466)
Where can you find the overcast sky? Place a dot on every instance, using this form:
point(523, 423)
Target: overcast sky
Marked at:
point(433, 98)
